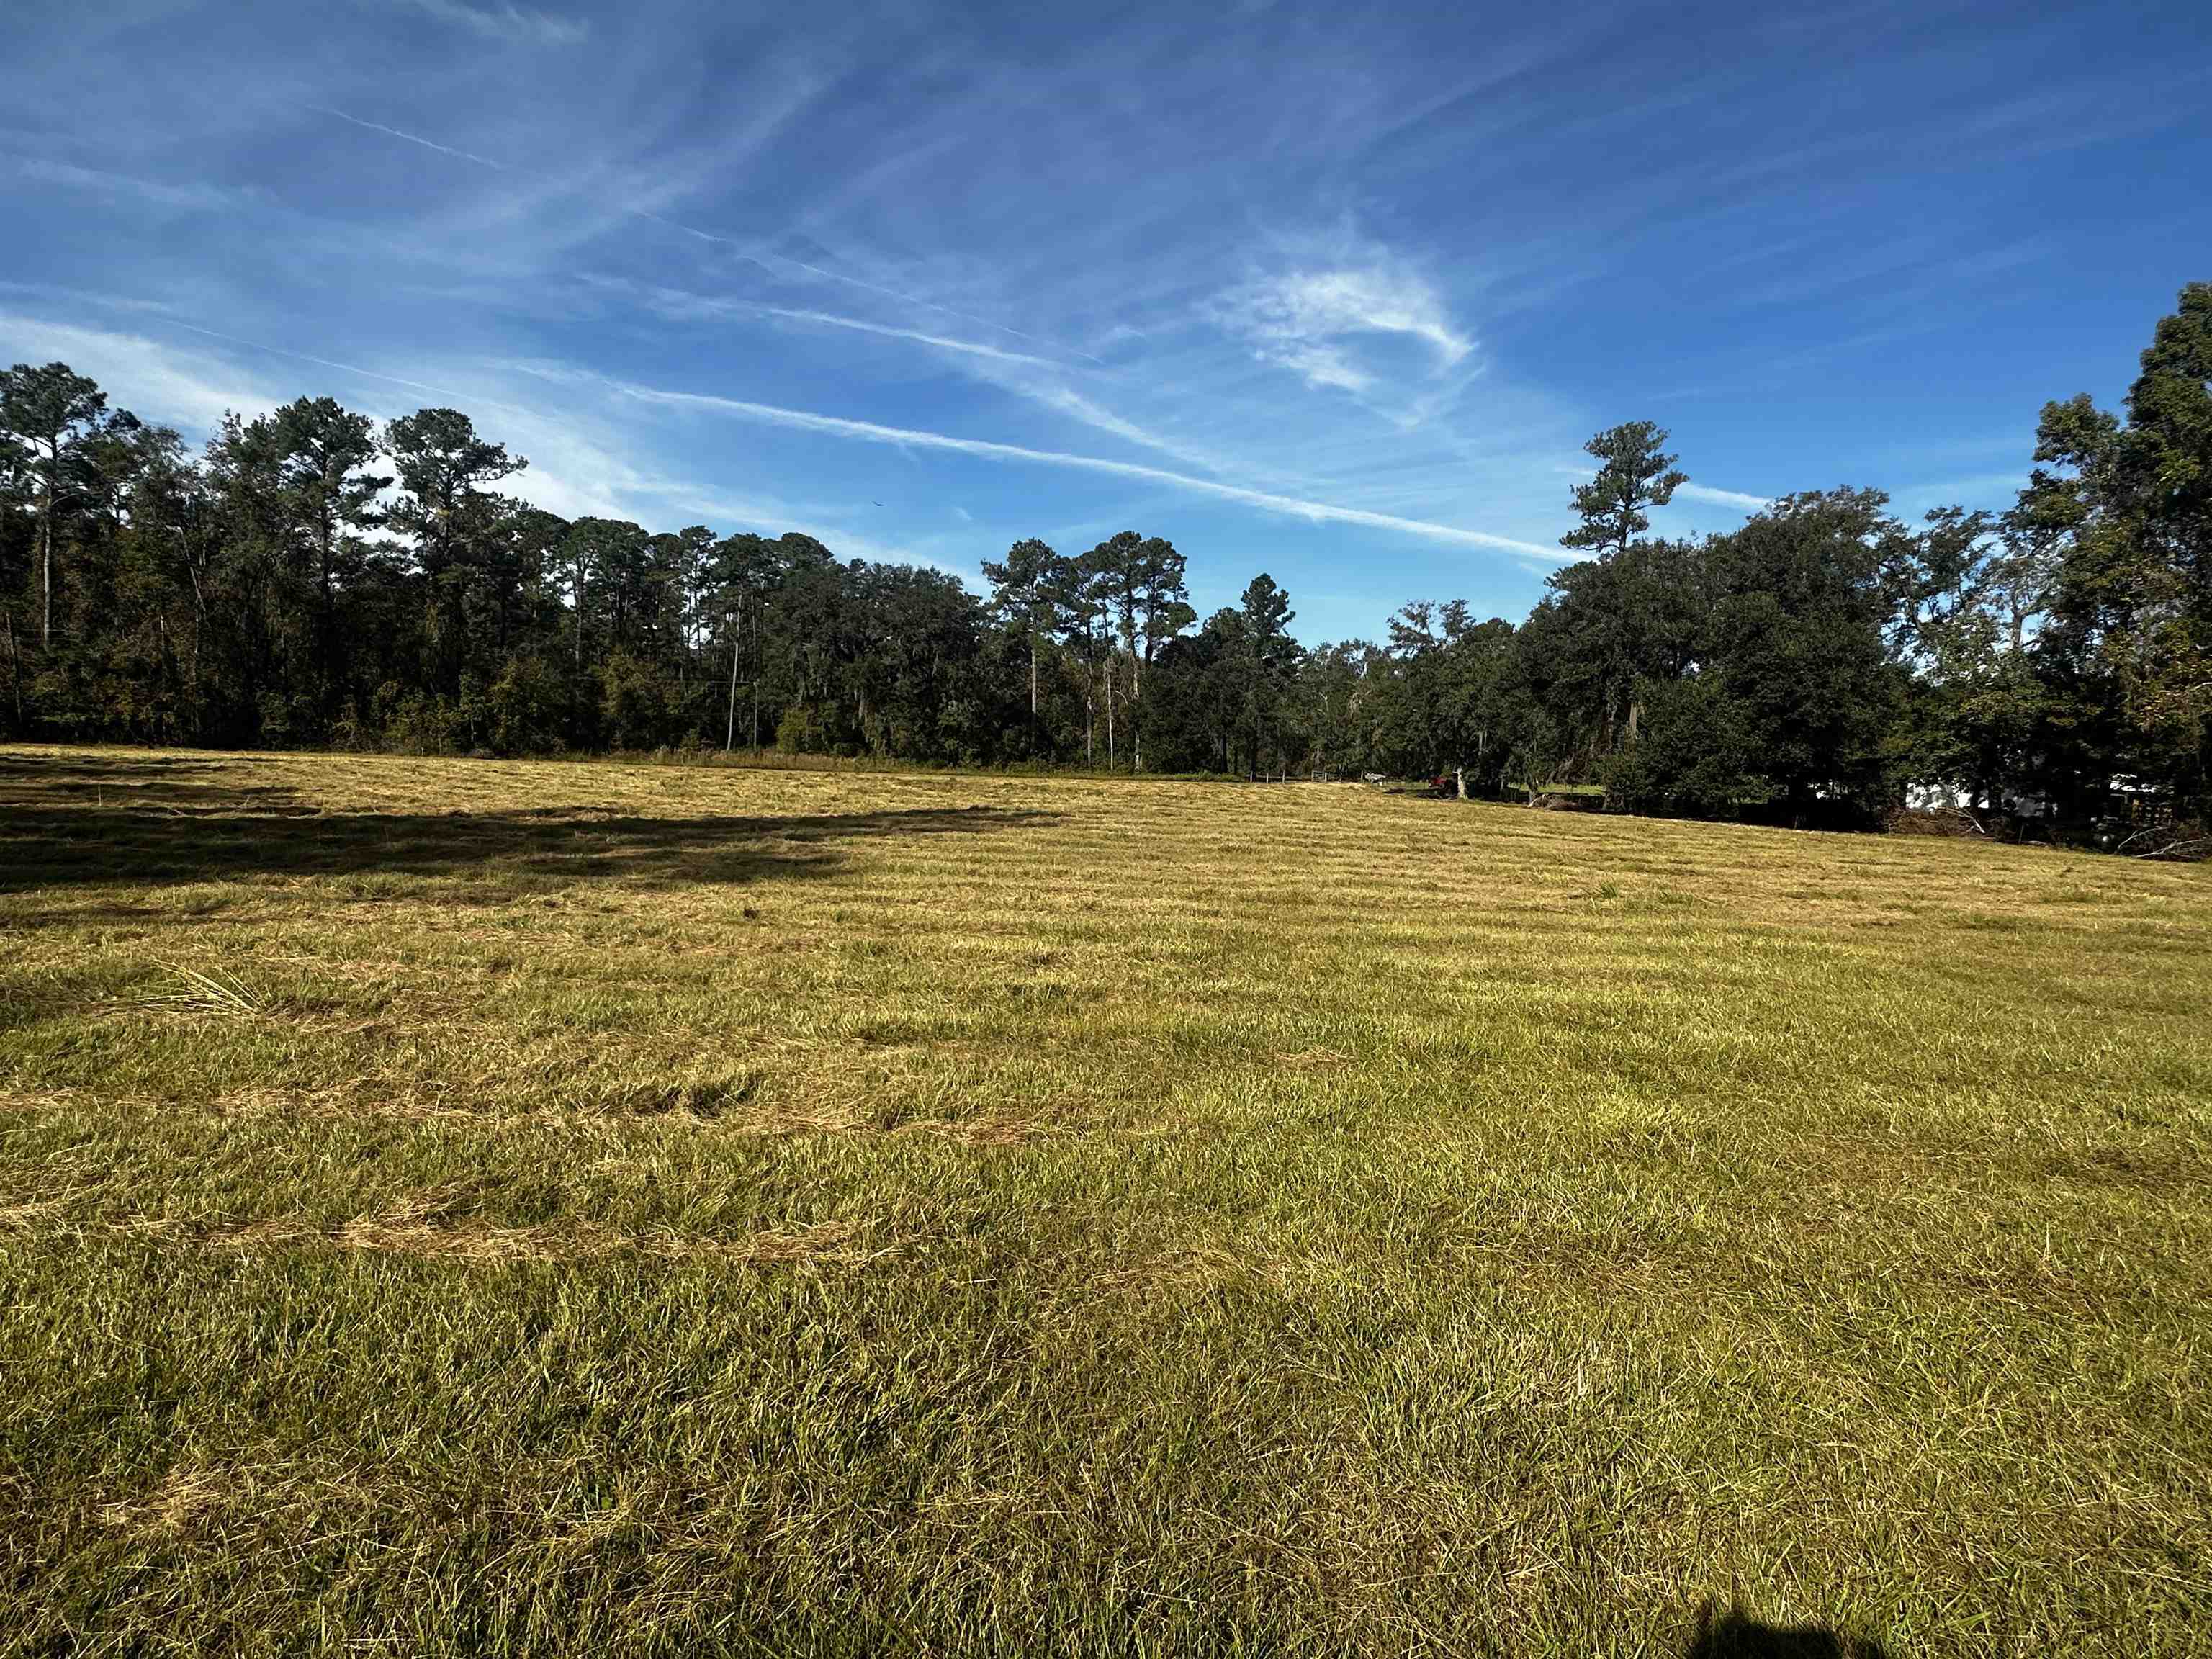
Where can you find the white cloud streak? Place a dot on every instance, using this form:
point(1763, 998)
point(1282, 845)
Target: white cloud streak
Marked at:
point(505, 20)
point(1078, 407)
point(412, 138)
point(971, 347)
point(765, 257)
point(1308, 321)
point(191, 197)
point(1742, 500)
point(327, 362)
point(140, 375)
point(910, 438)
point(760, 256)
point(572, 470)
point(680, 305)
point(1737, 498)
point(683, 306)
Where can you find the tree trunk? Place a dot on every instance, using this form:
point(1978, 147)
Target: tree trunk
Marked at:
point(1030, 632)
point(15, 671)
point(1136, 712)
point(1458, 777)
point(47, 559)
point(1110, 711)
point(326, 643)
point(730, 731)
point(199, 631)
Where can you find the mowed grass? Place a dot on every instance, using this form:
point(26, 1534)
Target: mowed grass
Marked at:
point(464, 1207)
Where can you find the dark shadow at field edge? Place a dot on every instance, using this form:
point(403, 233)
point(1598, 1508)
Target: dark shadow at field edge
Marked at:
point(1731, 1635)
point(104, 821)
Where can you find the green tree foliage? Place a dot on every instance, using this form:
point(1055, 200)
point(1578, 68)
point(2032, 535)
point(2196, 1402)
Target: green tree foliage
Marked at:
point(1080, 593)
point(1269, 654)
point(1697, 755)
point(1022, 588)
point(52, 420)
point(740, 576)
point(1798, 636)
point(1978, 708)
point(1816, 664)
point(2128, 505)
point(1633, 473)
point(451, 518)
point(1455, 695)
point(1161, 607)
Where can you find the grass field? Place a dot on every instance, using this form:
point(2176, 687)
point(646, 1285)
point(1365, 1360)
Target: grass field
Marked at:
point(544, 1208)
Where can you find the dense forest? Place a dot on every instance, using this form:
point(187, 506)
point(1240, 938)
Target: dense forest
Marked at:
point(313, 580)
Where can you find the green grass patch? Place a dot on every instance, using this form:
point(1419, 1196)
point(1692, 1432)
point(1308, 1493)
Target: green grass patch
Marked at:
point(460, 1207)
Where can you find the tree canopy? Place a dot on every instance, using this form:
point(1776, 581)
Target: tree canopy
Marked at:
point(314, 578)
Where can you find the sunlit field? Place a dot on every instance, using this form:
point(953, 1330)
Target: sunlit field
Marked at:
point(453, 1205)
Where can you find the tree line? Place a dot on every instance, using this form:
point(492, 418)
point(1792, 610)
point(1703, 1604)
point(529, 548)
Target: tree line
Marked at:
point(314, 578)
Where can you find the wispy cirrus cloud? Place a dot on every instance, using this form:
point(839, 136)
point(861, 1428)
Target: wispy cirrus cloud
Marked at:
point(1736, 498)
point(919, 336)
point(190, 390)
point(751, 249)
point(1320, 322)
point(189, 196)
point(109, 301)
point(836, 426)
point(1352, 258)
point(504, 21)
point(1023, 373)
point(677, 305)
point(1078, 407)
point(772, 259)
point(576, 466)
point(167, 316)
point(411, 139)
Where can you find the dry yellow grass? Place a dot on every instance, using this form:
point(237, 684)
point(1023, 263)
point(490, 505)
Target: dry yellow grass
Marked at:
point(663, 1209)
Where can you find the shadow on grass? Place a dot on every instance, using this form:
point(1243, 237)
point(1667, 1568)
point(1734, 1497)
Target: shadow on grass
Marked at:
point(1720, 1635)
point(111, 821)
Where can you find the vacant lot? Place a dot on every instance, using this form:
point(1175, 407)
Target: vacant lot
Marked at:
point(452, 1205)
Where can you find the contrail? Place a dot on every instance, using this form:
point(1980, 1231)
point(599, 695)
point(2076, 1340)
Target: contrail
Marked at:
point(322, 362)
point(836, 426)
point(750, 250)
point(409, 137)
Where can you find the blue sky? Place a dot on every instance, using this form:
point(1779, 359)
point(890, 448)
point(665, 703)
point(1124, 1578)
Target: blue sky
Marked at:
point(1331, 291)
